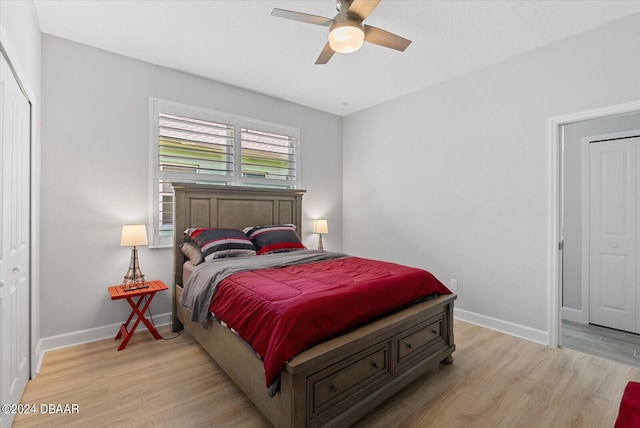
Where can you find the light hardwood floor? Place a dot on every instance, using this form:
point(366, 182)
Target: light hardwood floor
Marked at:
point(496, 380)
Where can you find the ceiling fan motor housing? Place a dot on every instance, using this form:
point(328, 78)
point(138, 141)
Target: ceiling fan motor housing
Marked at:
point(343, 5)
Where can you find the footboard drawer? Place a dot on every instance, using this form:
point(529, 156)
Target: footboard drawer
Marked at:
point(347, 382)
point(421, 340)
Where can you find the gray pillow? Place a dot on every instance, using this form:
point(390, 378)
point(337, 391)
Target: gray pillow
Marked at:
point(192, 252)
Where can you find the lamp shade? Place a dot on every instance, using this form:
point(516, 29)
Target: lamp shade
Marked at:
point(320, 226)
point(133, 234)
point(346, 37)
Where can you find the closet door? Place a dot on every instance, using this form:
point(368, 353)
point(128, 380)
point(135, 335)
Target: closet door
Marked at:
point(14, 251)
point(613, 233)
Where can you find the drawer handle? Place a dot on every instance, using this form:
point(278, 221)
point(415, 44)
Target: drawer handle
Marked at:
point(434, 331)
point(332, 387)
point(374, 364)
point(409, 345)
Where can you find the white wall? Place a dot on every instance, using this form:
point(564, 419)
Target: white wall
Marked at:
point(20, 39)
point(20, 36)
point(470, 197)
point(95, 150)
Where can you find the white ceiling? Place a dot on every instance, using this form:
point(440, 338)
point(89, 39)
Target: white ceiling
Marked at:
point(240, 43)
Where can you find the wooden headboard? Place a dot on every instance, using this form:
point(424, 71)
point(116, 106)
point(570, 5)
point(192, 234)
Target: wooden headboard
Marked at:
point(199, 205)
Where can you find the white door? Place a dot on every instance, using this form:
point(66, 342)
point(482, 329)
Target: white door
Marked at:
point(14, 251)
point(613, 231)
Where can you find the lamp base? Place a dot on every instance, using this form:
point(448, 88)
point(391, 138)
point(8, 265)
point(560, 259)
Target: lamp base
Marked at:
point(320, 246)
point(134, 278)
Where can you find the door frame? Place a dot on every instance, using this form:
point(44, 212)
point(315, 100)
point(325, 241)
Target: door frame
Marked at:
point(554, 280)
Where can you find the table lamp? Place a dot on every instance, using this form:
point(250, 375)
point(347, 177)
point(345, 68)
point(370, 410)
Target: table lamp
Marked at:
point(132, 236)
point(320, 227)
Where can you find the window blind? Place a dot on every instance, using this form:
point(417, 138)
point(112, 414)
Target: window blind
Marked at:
point(194, 145)
point(268, 156)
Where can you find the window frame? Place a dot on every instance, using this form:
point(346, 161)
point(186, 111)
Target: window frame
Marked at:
point(157, 106)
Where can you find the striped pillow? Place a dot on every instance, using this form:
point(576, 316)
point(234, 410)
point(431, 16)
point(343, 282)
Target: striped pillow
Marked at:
point(274, 239)
point(218, 243)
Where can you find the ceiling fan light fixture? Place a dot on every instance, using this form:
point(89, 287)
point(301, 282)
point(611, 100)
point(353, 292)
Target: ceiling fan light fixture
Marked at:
point(346, 36)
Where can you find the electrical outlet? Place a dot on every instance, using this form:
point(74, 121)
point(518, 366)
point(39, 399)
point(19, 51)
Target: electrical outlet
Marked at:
point(453, 284)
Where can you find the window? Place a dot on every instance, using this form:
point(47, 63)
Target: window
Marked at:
point(195, 145)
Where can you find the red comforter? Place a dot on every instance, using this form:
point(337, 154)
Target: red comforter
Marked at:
point(283, 311)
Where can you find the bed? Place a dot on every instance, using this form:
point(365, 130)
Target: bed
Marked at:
point(333, 383)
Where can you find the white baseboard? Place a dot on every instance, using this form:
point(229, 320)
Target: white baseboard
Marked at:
point(574, 315)
point(108, 331)
point(79, 337)
point(517, 330)
point(39, 355)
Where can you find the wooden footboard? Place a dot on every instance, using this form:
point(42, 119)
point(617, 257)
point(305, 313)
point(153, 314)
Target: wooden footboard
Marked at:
point(338, 381)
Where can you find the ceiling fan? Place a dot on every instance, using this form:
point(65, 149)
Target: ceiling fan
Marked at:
point(347, 31)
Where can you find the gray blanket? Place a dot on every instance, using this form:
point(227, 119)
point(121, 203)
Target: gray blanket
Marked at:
point(201, 286)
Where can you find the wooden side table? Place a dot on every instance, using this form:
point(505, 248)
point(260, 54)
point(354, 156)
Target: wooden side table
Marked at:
point(117, 292)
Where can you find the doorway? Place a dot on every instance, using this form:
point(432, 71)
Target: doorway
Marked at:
point(576, 320)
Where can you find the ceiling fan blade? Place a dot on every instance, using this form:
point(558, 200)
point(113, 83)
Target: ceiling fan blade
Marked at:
point(302, 17)
point(362, 8)
point(325, 55)
point(384, 38)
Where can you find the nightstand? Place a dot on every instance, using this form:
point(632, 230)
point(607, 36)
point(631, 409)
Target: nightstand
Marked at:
point(117, 292)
